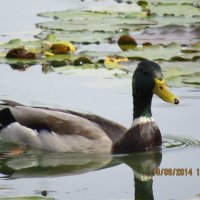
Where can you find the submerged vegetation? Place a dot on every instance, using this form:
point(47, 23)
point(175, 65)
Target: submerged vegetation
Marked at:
point(96, 37)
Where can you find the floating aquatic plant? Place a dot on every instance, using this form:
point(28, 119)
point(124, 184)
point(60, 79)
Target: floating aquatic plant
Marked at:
point(166, 31)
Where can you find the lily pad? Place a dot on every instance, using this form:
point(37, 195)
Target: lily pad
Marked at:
point(87, 14)
point(60, 49)
point(174, 20)
point(81, 26)
point(181, 73)
point(113, 62)
point(112, 24)
point(166, 31)
point(156, 52)
point(196, 45)
point(20, 53)
point(70, 14)
point(32, 45)
point(171, 52)
point(165, 34)
point(80, 37)
point(174, 9)
point(81, 61)
point(192, 79)
point(42, 60)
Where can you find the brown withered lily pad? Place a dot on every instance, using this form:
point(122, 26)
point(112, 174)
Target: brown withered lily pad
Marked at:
point(126, 42)
point(20, 52)
point(81, 61)
point(60, 49)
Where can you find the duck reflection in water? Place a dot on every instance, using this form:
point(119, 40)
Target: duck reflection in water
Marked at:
point(143, 166)
point(42, 164)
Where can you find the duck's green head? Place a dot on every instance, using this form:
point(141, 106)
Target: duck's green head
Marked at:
point(148, 80)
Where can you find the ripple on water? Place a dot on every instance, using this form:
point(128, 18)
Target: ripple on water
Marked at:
point(178, 142)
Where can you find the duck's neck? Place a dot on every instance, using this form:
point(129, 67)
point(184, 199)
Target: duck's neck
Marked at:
point(144, 134)
point(142, 106)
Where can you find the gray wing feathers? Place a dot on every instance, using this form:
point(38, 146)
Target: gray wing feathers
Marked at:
point(58, 122)
point(65, 122)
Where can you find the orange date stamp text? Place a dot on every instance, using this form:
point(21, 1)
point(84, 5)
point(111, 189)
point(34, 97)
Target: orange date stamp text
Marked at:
point(176, 172)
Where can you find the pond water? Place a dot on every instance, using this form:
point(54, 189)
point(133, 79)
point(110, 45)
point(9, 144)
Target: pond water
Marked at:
point(75, 176)
point(101, 177)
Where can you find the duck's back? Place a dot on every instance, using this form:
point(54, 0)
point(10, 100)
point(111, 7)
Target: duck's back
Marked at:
point(73, 131)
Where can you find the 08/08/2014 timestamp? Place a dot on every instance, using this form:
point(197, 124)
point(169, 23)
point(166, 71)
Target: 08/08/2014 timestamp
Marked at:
point(176, 172)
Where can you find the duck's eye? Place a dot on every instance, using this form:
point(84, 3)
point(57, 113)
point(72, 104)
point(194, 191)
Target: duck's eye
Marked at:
point(161, 87)
point(145, 72)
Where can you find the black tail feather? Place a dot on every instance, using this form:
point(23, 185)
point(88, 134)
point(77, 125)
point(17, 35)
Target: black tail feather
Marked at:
point(9, 103)
point(6, 117)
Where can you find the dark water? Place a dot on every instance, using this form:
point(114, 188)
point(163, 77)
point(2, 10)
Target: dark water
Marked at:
point(85, 176)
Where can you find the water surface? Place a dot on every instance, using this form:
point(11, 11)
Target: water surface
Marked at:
point(101, 176)
point(64, 176)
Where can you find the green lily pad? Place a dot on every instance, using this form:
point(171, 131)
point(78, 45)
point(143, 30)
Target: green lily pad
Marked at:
point(166, 31)
point(156, 52)
point(181, 73)
point(197, 45)
point(15, 42)
point(98, 55)
point(60, 57)
point(170, 19)
point(174, 9)
point(12, 44)
point(79, 36)
point(90, 24)
point(171, 52)
point(165, 34)
point(32, 45)
point(81, 26)
point(70, 14)
point(89, 13)
point(192, 79)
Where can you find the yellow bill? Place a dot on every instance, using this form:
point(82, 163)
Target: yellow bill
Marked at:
point(162, 91)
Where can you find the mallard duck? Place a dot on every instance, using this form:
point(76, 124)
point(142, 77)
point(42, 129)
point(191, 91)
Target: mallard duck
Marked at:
point(70, 131)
